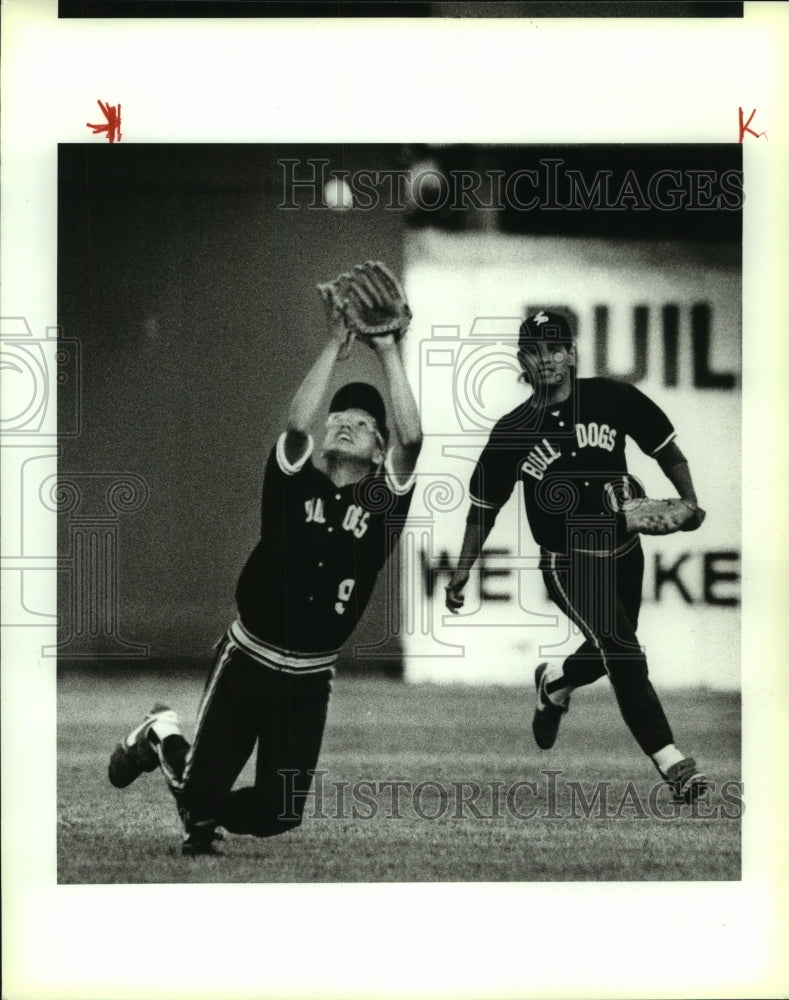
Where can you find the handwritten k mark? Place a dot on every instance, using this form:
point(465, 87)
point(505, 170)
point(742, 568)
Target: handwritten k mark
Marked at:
point(746, 127)
point(112, 126)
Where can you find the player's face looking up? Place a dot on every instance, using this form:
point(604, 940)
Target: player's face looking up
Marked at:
point(354, 434)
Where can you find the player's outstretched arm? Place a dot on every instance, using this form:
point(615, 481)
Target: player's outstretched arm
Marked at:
point(676, 469)
point(309, 395)
point(405, 414)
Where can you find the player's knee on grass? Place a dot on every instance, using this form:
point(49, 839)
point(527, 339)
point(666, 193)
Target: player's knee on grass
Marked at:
point(246, 811)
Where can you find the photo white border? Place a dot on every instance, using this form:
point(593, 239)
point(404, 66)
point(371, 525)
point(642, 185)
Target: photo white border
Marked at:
point(439, 80)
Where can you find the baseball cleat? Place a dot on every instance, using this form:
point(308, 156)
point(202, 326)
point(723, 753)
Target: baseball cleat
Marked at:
point(547, 715)
point(686, 781)
point(201, 841)
point(135, 754)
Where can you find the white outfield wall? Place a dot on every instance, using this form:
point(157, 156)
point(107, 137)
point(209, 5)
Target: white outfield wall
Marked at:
point(672, 315)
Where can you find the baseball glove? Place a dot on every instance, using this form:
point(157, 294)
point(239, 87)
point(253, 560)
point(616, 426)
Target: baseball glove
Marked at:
point(371, 301)
point(661, 517)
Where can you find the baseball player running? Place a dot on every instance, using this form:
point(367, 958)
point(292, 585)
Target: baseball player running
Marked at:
point(327, 528)
point(566, 445)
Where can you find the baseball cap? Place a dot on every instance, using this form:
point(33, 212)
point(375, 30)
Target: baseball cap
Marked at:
point(361, 396)
point(545, 325)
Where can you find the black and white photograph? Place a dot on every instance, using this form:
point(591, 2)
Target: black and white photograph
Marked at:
point(321, 365)
point(381, 537)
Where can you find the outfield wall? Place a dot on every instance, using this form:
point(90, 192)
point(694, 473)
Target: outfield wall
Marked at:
point(665, 316)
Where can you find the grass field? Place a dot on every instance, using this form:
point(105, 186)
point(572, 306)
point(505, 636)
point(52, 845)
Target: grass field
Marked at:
point(381, 730)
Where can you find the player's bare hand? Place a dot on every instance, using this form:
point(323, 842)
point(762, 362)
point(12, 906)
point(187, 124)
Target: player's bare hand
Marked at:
point(455, 598)
point(334, 305)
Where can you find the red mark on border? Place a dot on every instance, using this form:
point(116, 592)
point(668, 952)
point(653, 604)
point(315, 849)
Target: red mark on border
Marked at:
point(112, 126)
point(744, 127)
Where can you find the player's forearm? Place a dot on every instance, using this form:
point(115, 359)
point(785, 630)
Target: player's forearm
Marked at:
point(309, 395)
point(405, 414)
point(478, 526)
point(680, 478)
point(473, 541)
point(676, 469)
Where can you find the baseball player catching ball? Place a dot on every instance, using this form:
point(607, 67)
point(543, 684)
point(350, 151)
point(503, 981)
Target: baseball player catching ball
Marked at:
point(327, 528)
point(566, 445)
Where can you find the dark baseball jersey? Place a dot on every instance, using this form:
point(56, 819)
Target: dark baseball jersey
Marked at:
point(570, 457)
point(310, 577)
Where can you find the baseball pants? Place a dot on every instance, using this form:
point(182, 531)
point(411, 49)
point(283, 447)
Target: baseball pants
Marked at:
point(243, 703)
point(601, 594)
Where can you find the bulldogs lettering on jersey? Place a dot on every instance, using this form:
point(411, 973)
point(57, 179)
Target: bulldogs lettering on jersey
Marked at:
point(314, 509)
point(355, 520)
point(579, 443)
point(595, 435)
point(539, 458)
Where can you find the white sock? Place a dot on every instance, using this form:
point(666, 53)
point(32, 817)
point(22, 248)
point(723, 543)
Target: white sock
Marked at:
point(667, 757)
point(167, 724)
point(560, 695)
point(553, 673)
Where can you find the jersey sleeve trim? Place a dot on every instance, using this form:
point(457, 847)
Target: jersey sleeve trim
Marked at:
point(398, 488)
point(663, 444)
point(291, 468)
